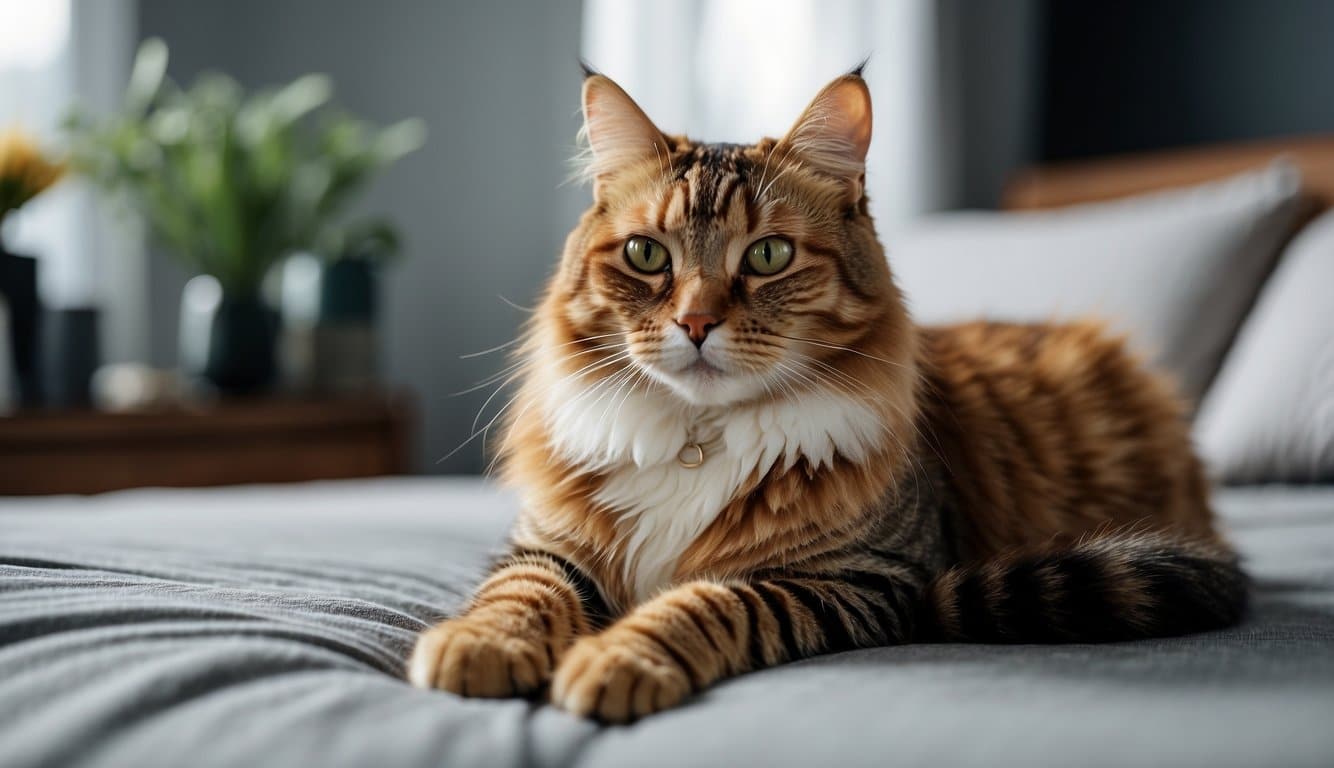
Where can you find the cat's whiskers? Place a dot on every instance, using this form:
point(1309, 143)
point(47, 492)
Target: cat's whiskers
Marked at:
point(786, 166)
point(496, 348)
point(508, 380)
point(784, 382)
point(629, 387)
point(664, 171)
point(492, 379)
point(769, 156)
point(519, 369)
point(516, 368)
point(590, 368)
point(597, 365)
point(612, 391)
point(503, 372)
point(520, 339)
point(818, 386)
point(870, 393)
point(876, 397)
point(829, 345)
point(783, 167)
point(587, 369)
point(914, 463)
point(600, 385)
point(839, 375)
point(518, 373)
point(520, 307)
point(903, 448)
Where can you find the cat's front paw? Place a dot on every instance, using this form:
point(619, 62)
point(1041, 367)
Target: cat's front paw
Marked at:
point(472, 657)
point(618, 677)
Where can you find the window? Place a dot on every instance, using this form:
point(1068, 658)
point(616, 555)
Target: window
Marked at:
point(54, 54)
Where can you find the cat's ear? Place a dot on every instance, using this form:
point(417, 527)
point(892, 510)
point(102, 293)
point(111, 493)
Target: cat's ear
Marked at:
point(619, 133)
point(834, 133)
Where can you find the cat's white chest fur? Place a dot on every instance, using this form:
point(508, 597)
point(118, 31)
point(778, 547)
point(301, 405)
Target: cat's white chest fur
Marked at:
point(635, 441)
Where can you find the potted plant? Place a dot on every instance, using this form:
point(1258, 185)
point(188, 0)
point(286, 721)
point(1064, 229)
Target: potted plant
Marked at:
point(230, 183)
point(25, 172)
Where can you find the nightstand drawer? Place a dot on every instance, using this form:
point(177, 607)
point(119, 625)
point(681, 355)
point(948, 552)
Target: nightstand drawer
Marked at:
point(266, 441)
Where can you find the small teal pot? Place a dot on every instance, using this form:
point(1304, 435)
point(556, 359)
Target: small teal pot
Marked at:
point(329, 308)
point(228, 340)
point(347, 292)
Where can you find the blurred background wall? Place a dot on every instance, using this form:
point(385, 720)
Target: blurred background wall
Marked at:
point(1140, 75)
point(482, 205)
point(967, 91)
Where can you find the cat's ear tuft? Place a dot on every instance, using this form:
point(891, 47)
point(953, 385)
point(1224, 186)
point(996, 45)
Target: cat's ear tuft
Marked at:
point(618, 132)
point(834, 133)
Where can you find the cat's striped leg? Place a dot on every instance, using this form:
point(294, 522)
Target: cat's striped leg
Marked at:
point(696, 634)
point(514, 631)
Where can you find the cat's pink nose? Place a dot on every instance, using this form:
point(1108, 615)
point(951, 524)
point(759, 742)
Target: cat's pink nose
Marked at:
point(698, 325)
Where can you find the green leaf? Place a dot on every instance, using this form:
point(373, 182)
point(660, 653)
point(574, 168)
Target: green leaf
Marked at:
point(301, 97)
point(400, 139)
point(232, 182)
point(150, 68)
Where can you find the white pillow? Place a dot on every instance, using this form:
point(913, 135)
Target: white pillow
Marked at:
point(1269, 417)
point(1175, 270)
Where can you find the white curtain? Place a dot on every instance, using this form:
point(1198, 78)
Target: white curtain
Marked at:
point(54, 54)
point(36, 82)
point(736, 70)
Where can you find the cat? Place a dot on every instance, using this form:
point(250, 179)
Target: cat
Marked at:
point(735, 449)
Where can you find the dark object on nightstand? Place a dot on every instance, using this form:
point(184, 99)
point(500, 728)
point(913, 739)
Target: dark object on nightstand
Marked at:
point(227, 338)
point(18, 282)
point(329, 313)
point(68, 356)
point(231, 442)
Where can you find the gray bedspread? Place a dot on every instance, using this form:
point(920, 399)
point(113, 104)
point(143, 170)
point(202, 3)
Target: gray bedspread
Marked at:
point(268, 627)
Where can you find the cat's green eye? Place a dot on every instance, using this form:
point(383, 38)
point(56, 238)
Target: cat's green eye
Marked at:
point(646, 254)
point(769, 256)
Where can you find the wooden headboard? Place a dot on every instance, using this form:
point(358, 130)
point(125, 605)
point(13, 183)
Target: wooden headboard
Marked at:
point(1061, 184)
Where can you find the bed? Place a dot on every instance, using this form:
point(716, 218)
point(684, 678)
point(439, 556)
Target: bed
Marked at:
point(268, 626)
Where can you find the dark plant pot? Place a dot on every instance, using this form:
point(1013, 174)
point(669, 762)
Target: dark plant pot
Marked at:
point(69, 355)
point(18, 282)
point(228, 340)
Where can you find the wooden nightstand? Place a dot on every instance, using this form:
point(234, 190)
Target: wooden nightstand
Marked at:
point(245, 441)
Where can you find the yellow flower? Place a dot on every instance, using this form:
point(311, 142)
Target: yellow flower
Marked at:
point(24, 171)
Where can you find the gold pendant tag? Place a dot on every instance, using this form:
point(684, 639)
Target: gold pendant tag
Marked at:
point(691, 455)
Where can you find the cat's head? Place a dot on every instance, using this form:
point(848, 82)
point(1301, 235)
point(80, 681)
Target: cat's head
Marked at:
point(727, 272)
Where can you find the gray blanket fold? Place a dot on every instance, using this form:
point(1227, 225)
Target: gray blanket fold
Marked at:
point(268, 627)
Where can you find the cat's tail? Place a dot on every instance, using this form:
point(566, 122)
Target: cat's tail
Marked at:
point(1111, 587)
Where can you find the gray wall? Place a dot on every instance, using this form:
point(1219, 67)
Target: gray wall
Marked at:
point(481, 207)
point(1136, 75)
point(994, 55)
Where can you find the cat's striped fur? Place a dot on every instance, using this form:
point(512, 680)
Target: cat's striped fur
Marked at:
point(864, 481)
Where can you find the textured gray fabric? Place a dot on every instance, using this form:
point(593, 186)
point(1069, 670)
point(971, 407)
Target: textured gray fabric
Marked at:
point(267, 627)
point(1269, 416)
point(1175, 270)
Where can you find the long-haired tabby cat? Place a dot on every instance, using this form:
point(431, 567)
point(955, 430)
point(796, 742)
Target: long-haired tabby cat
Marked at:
point(735, 449)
